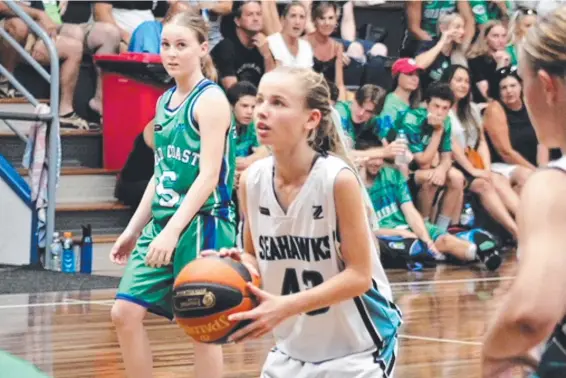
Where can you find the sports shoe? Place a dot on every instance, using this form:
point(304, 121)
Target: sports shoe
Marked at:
point(487, 251)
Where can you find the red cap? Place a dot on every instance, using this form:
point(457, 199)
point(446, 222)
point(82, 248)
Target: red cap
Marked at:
point(405, 66)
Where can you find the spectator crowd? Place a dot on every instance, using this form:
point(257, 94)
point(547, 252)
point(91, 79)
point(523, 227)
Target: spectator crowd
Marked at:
point(446, 147)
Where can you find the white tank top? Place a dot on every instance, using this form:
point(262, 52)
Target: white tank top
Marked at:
point(299, 249)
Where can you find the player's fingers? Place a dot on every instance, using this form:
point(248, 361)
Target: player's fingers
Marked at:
point(254, 335)
point(251, 269)
point(243, 333)
point(244, 315)
point(149, 258)
point(260, 294)
point(162, 261)
point(167, 257)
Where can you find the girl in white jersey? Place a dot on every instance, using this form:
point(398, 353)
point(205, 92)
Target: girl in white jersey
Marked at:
point(325, 295)
point(534, 310)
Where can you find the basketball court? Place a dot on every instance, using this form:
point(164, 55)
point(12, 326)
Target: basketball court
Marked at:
point(70, 335)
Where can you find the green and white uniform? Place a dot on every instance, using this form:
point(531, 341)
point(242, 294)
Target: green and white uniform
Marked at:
point(177, 160)
point(388, 192)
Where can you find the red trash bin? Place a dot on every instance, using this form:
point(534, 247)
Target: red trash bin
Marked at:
point(131, 85)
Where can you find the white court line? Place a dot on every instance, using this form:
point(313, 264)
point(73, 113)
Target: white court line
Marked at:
point(68, 302)
point(448, 341)
point(486, 279)
point(105, 302)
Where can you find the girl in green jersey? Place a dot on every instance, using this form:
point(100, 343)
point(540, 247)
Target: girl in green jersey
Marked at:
point(187, 206)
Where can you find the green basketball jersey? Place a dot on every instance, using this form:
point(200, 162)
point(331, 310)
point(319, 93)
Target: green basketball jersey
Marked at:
point(177, 159)
point(432, 10)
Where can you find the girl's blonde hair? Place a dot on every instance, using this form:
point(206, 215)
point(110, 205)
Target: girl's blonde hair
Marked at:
point(329, 137)
point(458, 55)
point(194, 21)
point(543, 46)
point(480, 47)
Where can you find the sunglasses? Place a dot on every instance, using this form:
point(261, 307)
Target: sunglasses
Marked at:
point(528, 11)
point(502, 73)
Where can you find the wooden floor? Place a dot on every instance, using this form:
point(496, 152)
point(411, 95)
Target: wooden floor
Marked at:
point(69, 335)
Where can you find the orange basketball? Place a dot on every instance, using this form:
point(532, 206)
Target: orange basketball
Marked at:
point(206, 292)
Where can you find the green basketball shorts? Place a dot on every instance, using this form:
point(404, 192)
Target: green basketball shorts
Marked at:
point(152, 288)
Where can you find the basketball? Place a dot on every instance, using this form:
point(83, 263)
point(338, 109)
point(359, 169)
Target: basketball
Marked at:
point(206, 292)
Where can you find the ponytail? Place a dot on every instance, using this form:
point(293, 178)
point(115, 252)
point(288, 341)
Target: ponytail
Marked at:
point(208, 68)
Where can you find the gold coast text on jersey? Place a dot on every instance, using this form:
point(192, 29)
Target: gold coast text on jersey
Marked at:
point(176, 153)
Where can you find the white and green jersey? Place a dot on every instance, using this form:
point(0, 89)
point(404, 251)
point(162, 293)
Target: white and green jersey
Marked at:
point(177, 159)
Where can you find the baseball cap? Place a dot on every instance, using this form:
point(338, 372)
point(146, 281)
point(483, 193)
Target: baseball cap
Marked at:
point(405, 66)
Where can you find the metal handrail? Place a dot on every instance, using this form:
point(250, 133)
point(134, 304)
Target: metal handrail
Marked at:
point(53, 120)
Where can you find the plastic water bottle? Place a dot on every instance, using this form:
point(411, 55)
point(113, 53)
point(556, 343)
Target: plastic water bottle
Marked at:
point(56, 251)
point(467, 218)
point(68, 262)
point(401, 158)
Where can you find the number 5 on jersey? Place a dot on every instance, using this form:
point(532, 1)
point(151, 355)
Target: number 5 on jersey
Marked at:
point(167, 196)
point(310, 278)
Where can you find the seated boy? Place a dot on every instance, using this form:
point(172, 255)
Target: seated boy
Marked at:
point(397, 216)
point(428, 132)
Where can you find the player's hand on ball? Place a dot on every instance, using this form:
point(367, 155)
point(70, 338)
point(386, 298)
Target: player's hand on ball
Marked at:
point(161, 249)
point(272, 310)
point(234, 254)
point(123, 247)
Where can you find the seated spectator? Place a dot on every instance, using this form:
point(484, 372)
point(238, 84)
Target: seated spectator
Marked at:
point(397, 216)
point(126, 15)
point(406, 90)
point(69, 42)
point(97, 38)
point(436, 56)
point(287, 47)
point(471, 153)
point(485, 56)
point(422, 18)
point(146, 38)
point(359, 116)
point(328, 53)
point(246, 55)
point(428, 131)
point(515, 151)
point(520, 23)
point(212, 12)
point(138, 170)
point(242, 97)
point(354, 47)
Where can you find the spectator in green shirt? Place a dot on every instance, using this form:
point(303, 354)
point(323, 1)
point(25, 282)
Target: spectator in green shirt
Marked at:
point(428, 131)
point(360, 122)
point(242, 97)
point(406, 93)
point(397, 216)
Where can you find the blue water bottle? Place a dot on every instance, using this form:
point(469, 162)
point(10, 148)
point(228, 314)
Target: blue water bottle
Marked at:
point(68, 261)
point(86, 250)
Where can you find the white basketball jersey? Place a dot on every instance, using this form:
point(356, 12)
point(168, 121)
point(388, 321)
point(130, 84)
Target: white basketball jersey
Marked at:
point(299, 249)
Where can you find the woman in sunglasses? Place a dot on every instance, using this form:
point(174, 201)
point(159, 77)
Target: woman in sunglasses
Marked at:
point(534, 310)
